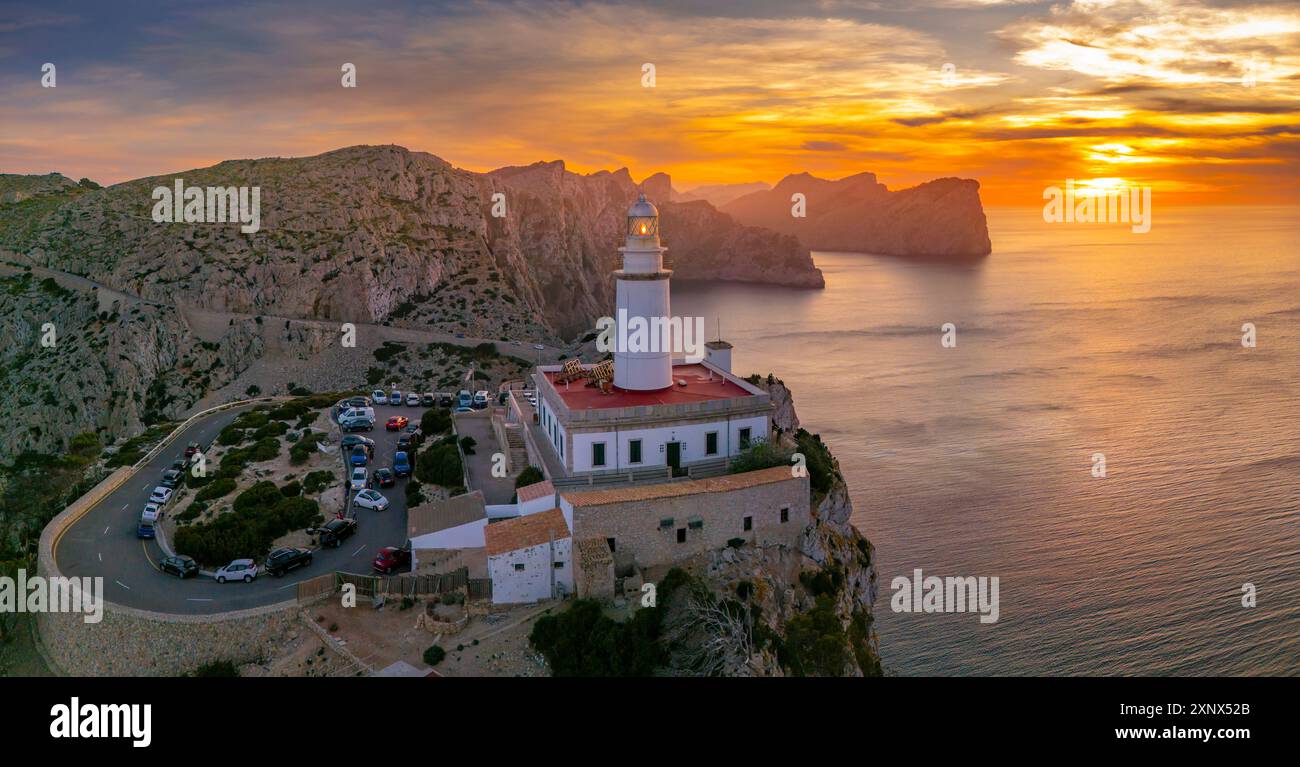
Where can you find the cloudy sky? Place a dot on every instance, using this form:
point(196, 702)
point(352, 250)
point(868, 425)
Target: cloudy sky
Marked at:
point(1198, 99)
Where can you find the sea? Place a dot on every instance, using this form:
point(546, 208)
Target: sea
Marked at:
point(1096, 435)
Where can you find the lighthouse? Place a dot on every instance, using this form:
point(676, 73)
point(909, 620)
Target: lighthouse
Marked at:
point(641, 290)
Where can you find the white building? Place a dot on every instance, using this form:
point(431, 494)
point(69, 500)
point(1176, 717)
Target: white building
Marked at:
point(662, 410)
point(529, 558)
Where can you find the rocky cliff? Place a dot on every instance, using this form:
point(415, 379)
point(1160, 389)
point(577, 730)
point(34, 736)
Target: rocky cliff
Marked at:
point(815, 604)
point(938, 219)
point(379, 233)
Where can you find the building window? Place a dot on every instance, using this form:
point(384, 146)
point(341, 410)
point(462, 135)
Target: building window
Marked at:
point(681, 535)
point(711, 443)
point(612, 542)
point(785, 515)
point(519, 568)
point(749, 523)
point(598, 454)
point(634, 451)
point(744, 438)
point(559, 565)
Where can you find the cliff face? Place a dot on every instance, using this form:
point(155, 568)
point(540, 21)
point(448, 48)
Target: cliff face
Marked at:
point(378, 233)
point(938, 219)
point(112, 367)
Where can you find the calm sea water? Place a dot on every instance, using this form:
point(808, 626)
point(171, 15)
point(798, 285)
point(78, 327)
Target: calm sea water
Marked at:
point(977, 460)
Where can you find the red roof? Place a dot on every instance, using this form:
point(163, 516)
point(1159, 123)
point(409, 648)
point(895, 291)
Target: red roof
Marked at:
point(522, 532)
point(536, 490)
point(578, 396)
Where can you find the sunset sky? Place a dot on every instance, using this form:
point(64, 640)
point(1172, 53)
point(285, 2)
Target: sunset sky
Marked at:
point(1198, 100)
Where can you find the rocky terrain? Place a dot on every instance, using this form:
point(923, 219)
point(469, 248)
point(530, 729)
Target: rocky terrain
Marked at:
point(379, 233)
point(938, 219)
point(814, 606)
point(720, 194)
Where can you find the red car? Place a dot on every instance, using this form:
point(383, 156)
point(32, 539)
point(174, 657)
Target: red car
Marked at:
point(390, 558)
point(397, 423)
point(192, 448)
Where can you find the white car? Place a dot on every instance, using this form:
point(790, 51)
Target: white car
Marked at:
point(395, 398)
point(160, 495)
point(539, 347)
point(359, 476)
point(378, 397)
point(371, 499)
point(412, 400)
point(240, 570)
point(151, 512)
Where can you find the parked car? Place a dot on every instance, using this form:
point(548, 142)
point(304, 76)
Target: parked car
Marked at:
point(382, 478)
point(145, 529)
point(539, 347)
point(404, 442)
point(370, 499)
point(445, 400)
point(428, 399)
point(395, 398)
point(390, 558)
point(351, 440)
point(412, 400)
point(181, 566)
point(397, 422)
point(160, 495)
point(239, 570)
point(333, 532)
point(358, 481)
point(281, 561)
point(179, 464)
point(401, 464)
point(191, 449)
point(378, 397)
point(359, 455)
point(356, 424)
point(464, 399)
point(359, 411)
point(463, 410)
point(171, 478)
point(480, 400)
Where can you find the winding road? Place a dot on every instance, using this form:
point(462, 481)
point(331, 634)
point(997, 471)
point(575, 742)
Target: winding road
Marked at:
point(103, 543)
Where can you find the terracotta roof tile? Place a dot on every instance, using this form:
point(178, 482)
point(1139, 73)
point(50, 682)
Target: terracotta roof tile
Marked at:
point(721, 484)
point(536, 490)
point(521, 532)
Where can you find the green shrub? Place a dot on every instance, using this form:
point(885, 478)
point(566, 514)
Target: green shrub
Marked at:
point(436, 420)
point(217, 488)
point(759, 455)
point(250, 529)
point(291, 489)
point(439, 464)
point(317, 481)
point(529, 476)
point(217, 668)
point(815, 643)
point(434, 655)
point(230, 436)
point(467, 445)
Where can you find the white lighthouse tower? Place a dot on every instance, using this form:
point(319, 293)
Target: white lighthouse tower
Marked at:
point(641, 289)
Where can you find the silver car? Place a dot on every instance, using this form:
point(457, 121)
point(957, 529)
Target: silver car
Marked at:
point(239, 570)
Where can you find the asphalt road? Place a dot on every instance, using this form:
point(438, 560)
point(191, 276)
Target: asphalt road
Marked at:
point(103, 542)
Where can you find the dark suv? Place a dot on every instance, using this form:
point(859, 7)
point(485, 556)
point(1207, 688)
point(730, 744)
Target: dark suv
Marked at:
point(171, 478)
point(282, 561)
point(333, 532)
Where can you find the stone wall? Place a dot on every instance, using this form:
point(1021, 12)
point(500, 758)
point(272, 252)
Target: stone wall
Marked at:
point(635, 525)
